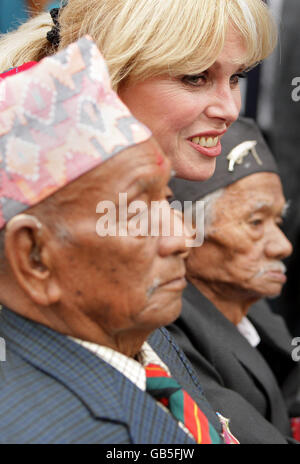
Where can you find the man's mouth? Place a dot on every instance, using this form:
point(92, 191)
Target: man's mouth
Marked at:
point(179, 279)
point(177, 283)
point(277, 276)
point(274, 272)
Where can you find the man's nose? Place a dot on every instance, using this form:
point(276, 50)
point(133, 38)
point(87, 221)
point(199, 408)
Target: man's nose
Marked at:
point(277, 245)
point(175, 243)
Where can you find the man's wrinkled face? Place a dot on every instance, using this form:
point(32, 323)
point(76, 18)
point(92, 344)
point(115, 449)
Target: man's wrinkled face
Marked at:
point(245, 245)
point(122, 283)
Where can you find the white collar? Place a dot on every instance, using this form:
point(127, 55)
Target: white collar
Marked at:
point(247, 329)
point(133, 369)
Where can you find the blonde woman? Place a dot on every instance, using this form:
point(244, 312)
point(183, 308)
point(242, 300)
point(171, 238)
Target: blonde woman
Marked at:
point(176, 64)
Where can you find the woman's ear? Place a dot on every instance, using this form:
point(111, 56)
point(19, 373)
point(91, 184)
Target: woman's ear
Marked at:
point(28, 253)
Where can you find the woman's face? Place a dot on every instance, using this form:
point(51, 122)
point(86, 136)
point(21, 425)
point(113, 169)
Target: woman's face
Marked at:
point(189, 114)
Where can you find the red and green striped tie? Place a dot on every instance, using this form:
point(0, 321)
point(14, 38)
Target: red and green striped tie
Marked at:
point(166, 390)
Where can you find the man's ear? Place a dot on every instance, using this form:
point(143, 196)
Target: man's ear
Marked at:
point(29, 255)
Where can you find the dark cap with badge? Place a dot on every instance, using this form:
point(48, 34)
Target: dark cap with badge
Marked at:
point(244, 152)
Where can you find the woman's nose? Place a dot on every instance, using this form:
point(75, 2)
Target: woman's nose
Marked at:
point(225, 103)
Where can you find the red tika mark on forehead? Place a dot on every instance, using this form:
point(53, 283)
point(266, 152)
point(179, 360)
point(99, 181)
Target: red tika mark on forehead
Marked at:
point(159, 159)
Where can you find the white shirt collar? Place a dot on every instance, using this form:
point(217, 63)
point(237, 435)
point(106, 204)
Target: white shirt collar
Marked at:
point(247, 329)
point(131, 368)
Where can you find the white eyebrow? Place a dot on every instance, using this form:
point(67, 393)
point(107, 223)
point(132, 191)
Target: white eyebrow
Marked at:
point(262, 204)
point(285, 209)
point(265, 204)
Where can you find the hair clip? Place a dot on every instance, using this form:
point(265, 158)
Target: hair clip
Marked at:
point(53, 36)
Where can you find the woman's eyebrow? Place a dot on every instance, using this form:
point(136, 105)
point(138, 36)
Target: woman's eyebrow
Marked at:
point(240, 67)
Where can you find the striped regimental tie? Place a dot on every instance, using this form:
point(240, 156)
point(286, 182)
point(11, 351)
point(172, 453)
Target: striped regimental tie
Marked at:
point(166, 390)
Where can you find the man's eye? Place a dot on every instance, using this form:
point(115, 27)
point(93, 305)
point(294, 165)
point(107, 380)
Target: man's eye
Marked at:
point(196, 80)
point(256, 222)
point(234, 80)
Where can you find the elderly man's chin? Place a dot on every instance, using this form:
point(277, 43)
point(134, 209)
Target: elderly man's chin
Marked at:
point(269, 289)
point(163, 308)
point(274, 292)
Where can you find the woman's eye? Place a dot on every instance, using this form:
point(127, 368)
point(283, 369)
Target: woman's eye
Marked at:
point(196, 80)
point(234, 80)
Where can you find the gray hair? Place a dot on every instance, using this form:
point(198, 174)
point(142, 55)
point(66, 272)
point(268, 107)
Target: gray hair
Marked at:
point(209, 211)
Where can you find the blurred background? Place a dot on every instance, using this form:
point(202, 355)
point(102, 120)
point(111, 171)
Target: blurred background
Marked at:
point(14, 12)
point(267, 97)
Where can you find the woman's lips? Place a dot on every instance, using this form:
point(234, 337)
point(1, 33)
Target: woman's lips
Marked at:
point(211, 152)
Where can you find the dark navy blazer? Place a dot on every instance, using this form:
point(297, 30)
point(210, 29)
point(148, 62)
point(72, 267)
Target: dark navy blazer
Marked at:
point(52, 390)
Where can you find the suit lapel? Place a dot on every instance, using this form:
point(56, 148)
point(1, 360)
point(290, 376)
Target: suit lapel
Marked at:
point(102, 389)
point(272, 328)
point(232, 340)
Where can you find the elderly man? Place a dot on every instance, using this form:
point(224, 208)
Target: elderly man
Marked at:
point(78, 308)
point(242, 351)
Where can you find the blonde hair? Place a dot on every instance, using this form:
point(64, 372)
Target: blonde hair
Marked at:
point(147, 38)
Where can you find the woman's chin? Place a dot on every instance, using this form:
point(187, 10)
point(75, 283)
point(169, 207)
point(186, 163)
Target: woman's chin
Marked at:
point(197, 171)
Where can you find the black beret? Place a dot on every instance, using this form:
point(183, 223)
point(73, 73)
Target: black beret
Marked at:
point(244, 152)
